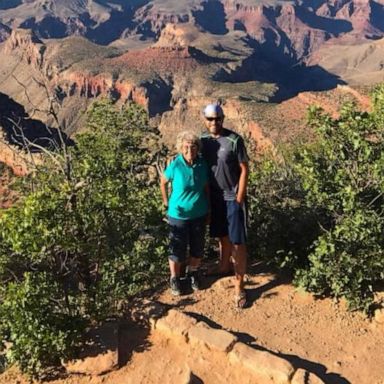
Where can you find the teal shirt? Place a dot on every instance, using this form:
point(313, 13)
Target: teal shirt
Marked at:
point(188, 199)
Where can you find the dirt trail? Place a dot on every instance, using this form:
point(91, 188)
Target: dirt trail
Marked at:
point(320, 336)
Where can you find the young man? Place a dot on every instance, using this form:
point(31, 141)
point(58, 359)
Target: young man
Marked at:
point(225, 152)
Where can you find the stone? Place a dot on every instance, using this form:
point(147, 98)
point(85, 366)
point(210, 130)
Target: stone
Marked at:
point(267, 367)
point(379, 315)
point(186, 376)
point(175, 324)
point(212, 339)
point(100, 355)
point(302, 376)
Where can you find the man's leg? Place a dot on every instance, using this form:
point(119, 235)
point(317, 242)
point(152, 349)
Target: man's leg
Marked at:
point(219, 229)
point(225, 255)
point(237, 235)
point(240, 257)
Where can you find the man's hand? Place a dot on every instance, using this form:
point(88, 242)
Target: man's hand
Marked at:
point(239, 200)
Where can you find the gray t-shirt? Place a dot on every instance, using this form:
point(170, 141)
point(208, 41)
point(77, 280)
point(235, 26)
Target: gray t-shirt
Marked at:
point(224, 155)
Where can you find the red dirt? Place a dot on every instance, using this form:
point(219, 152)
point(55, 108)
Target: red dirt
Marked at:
point(321, 336)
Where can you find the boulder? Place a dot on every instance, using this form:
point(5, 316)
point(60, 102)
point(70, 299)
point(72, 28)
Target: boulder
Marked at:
point(175, 325)
point(266, 367)
point(210, 338)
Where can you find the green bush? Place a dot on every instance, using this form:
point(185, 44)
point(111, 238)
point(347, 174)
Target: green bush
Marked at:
point(39, 328)
point(90, 220)
point(319, 209)
point(282, 227)
point(343, 176)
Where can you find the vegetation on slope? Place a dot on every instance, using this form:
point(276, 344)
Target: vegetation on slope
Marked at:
point(89, 230)
point(87, 234)
point(319, 210)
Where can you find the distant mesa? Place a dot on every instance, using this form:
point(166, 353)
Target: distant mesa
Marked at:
point(171, 57)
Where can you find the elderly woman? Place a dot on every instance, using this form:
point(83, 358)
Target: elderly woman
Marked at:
point(187, 208)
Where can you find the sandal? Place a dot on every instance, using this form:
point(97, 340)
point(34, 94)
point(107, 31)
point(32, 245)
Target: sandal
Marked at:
point(241, 300)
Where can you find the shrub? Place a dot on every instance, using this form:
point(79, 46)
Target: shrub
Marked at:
point(89, 224)
point(343, 176)
point(282, 226)
point(37, 325)
point(318, 209)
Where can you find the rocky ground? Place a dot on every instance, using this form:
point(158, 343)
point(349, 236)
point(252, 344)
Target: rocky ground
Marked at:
point(319, 336)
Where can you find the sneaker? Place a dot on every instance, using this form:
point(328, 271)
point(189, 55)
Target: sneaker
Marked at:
point(195, 280)
point(174, 282)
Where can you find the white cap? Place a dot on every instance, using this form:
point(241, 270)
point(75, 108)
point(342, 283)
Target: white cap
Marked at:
point(213, 110)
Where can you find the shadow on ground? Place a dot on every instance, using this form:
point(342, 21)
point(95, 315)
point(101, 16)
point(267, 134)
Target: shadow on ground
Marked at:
point(133, 337)
point(298, 362)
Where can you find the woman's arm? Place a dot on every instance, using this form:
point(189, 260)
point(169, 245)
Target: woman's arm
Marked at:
point(164, 190)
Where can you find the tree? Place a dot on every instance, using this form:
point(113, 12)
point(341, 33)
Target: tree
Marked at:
point(318, 208)
point(85, 237)
point(343, 177)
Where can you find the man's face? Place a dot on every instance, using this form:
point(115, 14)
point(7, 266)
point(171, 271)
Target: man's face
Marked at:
point(214, 124)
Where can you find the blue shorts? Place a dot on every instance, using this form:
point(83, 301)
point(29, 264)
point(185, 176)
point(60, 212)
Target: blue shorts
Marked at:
point(229, 219)
point(186, 234)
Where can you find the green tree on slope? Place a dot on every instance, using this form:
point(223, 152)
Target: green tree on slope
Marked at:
point(88, 235)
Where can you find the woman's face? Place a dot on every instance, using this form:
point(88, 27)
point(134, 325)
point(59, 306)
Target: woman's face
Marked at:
point(189, 151)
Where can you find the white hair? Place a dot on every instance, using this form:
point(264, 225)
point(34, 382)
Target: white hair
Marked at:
point(189, 137)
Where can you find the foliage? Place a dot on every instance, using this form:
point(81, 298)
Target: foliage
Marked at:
point(344, 177)
point(91, 223)
point(281, 226)
point(41, 332)
point(318, 209)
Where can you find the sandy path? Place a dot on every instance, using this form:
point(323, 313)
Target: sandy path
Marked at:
point(319, 335)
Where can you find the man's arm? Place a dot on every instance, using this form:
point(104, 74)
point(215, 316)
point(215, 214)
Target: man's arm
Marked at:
point(243, 181)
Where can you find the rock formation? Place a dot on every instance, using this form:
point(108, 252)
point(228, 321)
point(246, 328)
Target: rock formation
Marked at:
point(172, 58)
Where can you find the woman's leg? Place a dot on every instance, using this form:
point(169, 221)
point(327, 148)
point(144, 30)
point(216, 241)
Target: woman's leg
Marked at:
point(177, 252)
point(174, 268)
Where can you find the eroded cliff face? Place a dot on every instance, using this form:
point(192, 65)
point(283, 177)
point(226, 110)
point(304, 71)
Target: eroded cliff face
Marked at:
point(177, 35)
point(187, 115)
point(166, 60)
point(300, 26)
point(24, 47)
point(151, 19)
point(253, 19)
point(360, 14)
point(189, 58)
point(27, 44)
point(13, 157)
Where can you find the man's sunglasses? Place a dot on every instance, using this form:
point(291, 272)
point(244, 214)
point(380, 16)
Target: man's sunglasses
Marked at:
point(213, 118)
